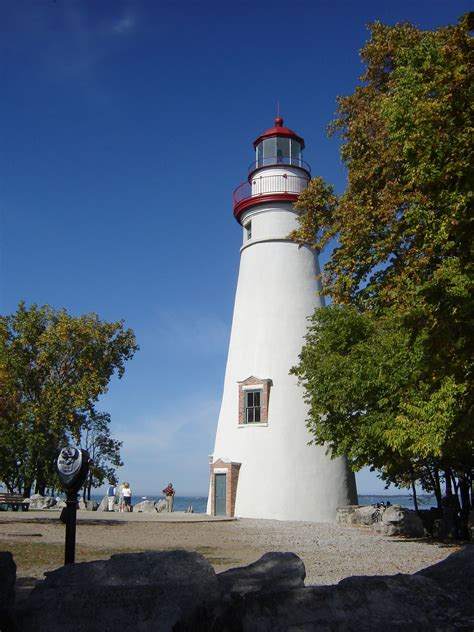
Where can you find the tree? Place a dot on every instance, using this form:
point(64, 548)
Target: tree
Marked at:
point(364, 379)
point(404, 252)
point(53, 366)
point(103, 450)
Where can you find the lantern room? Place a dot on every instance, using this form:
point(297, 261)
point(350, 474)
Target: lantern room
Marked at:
point(279, 145)
point(278, 173)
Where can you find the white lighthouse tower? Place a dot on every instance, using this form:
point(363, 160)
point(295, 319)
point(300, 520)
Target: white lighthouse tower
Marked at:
point(262, 466)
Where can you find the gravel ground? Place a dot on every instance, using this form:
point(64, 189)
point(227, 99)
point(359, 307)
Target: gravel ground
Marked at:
point(330, 552)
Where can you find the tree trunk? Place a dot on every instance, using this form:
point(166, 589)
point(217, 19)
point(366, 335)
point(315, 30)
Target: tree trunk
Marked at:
point(434, 478)
point(413, 486)
point(464, 485)
point(437, 489)
point(447, 481)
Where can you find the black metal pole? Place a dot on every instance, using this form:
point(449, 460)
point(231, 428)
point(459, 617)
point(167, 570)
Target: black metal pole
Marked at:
point(70, 546)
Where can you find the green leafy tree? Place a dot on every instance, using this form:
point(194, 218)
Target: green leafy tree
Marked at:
point(53, 366)
point(404, 258)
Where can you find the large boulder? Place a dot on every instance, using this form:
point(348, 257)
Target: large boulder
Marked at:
point(178, 590)
point(273, 571)
point(365, 515)
point(37, 501)
point(138, 591)
point(160, 505)
point(7, 591)
point(104, 504)
point(145, 506)
point(398, 520)
point(371, 604)
point(345, 515)
point(456, 575)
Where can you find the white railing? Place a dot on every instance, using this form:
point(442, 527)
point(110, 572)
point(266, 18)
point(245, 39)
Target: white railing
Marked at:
point(268, 185)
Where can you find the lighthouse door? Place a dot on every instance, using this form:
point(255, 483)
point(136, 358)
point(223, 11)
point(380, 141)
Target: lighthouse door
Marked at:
point(220, 494)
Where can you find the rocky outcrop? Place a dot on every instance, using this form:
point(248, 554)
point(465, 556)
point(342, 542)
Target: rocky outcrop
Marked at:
point(396, 520)
point(145, 506)
point(7, 591)
point(178, 590)
point(456, 575)
point(36, 501)
point(273, 571)
point(139, 591)
point(104, 504)
point(160, 505)
point(392, 520)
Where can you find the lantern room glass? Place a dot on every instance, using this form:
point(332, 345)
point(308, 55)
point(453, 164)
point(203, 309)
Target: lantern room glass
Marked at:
point(278, 150)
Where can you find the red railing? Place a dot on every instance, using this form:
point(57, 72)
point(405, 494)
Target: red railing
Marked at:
point(268, 185)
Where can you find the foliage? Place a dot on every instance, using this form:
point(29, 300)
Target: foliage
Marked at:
point(399, 372)
point(103, 450)
point(53, 367)
point(370, 397)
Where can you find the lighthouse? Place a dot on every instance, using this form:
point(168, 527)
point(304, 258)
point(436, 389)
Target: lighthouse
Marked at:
point(262, 465)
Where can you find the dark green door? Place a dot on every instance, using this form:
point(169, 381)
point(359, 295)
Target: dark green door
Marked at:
point(219, 494)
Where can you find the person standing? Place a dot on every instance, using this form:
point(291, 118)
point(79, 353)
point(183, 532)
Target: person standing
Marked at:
point(111, 491)
point(127, 497)
point(120, 496)
point(169, 495)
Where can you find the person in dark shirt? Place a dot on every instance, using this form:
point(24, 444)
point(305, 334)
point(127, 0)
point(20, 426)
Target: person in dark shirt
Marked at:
point(169, 495)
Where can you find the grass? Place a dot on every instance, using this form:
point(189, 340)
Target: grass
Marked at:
point(36, 558)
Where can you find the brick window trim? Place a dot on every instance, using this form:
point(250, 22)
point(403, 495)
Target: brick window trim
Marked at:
point(255, 384)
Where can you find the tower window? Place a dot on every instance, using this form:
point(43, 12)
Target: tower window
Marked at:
point(254, 397)
point(252, 407)
point(248, 230)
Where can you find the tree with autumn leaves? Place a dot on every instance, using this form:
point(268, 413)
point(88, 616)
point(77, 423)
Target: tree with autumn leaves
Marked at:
point(388, 367)
point(53, 369)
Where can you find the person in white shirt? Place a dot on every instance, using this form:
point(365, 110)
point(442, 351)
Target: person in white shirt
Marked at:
point(127, 497)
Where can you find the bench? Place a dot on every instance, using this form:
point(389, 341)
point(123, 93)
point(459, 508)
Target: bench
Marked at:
point(14, 502)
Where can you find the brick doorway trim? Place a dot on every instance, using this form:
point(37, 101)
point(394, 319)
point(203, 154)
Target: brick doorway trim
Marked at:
point(231, 469)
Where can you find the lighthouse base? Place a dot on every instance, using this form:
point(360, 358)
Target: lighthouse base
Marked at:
point(268, 492)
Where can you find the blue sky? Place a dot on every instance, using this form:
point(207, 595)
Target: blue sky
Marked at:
point(126, 126)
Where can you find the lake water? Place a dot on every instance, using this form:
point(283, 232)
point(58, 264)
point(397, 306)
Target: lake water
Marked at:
point(199, 503)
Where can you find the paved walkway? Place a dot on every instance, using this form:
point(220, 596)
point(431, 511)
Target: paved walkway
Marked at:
point(175, 516)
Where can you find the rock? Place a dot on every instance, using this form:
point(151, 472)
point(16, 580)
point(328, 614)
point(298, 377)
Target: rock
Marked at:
point(428, 518)
point(36, 501)
point(345, 515)
point(371, 604)
point(92, 505)
point(365, 514)
point(104, 504)
point(398, 520)
point(138, 591)
point(82, 504)
point(160, 505)
point(61, 504)
point(7, 591)
point(273, 571)
point(189, 509)
point(456, 575)
point(145, 506)
point(178, 590)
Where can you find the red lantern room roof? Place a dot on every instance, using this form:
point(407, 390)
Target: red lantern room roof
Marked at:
point(279, 130)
